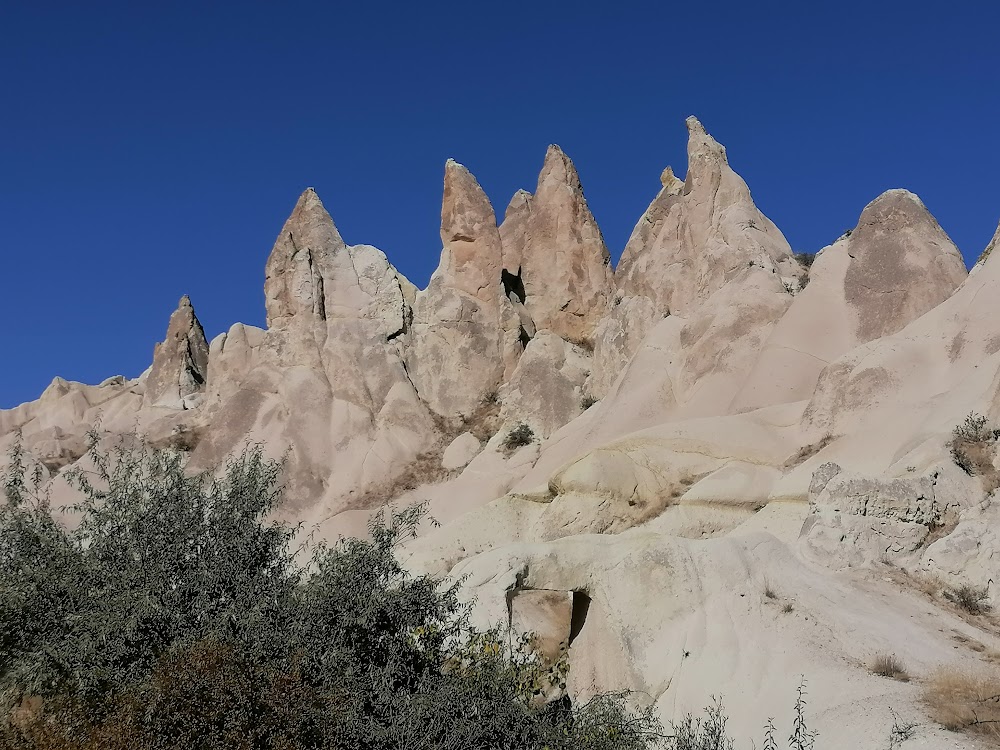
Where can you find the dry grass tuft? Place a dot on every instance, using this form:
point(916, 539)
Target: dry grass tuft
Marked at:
point(769, 590)
point(423, 470)
point(889, 665)
point(965, 701)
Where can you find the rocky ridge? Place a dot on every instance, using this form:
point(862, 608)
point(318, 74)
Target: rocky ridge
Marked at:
point(621, 457)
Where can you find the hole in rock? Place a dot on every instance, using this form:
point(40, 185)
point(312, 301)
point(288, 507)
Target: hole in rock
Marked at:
point(581, 606)
point(512, 284)
point(523, 337)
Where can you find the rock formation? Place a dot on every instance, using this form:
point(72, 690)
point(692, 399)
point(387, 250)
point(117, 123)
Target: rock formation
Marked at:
point(180, 362)
point(725, 477)
point(456, 356)
point(555, 251)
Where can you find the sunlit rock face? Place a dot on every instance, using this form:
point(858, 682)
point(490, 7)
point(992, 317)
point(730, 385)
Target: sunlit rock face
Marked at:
point(624, 462)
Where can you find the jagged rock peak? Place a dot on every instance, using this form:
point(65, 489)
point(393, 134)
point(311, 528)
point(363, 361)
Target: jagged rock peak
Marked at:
point(555, 241)
point(180, 362)
point(465, 209)
point(701, 145)
point(559, 168)
point(312, 221)
point(988, 251)
point(518, 202)
point(471, 255)
point(672, 184)
point(308, 253)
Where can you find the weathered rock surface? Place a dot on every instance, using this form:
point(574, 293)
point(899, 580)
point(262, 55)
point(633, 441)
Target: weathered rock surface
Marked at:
point(751, 435)
point(461, 451)
point(859, 520)
point(545, 391)
point(893, 267)
point(180, 362)
point(456, 357)
point(552, 244)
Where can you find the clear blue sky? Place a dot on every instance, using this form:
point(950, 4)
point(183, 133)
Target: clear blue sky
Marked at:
point(148, 150)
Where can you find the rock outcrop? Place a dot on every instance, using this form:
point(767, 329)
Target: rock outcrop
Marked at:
point(555, 251)
point(180, 362)
point(714, 458)
point(456, 356)
point(695, 238)
point(894, 266)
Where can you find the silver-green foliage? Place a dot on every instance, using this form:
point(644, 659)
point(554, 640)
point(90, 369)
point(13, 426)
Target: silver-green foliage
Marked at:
point(178, 614)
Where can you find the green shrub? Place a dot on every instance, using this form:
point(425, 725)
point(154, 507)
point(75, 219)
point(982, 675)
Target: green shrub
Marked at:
point(805, 259)
point(176, 615)
point(518, 437)
point(972, 599)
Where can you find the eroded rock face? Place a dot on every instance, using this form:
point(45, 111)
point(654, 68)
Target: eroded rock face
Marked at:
point(696, 237)
point(460, 451)
point(903, 265)
point(553, 245)
point(456, 356)
point(546, 389)
point(892, 268)
point(180, 361)
point(313, 277)
point(859, 520)
point(547, 616)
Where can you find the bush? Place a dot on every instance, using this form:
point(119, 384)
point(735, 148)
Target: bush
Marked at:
point(177, 615)
point(975, 429)
point(805, 259)
point(587, 401)
point(972, 599)
point(518, 437)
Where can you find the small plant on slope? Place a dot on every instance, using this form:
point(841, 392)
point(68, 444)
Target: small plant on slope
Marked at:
point(972, 599)
point(801, 738)
point(888, 665)
point(518, 437)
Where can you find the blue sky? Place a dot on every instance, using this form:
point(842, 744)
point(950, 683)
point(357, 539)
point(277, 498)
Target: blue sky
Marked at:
point(150, 150)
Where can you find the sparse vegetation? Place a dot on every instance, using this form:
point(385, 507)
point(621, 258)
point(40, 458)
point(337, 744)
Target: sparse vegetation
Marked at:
point(973, 448)
point(518, 437)
point(177, 615)
point(769, 590)
point(423, 470)
point(587, 401)
point(808, 451)
point(805, 259)
point(708, 732)
point(787, 608)
point(972, 599)
point(965, 701)
point(901, 731)
point(888, 665)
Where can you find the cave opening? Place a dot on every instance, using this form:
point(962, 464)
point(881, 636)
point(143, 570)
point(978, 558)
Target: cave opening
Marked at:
point(581, 608)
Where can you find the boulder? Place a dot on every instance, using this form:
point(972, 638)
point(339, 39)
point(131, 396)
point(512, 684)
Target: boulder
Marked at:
point(460, 451)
